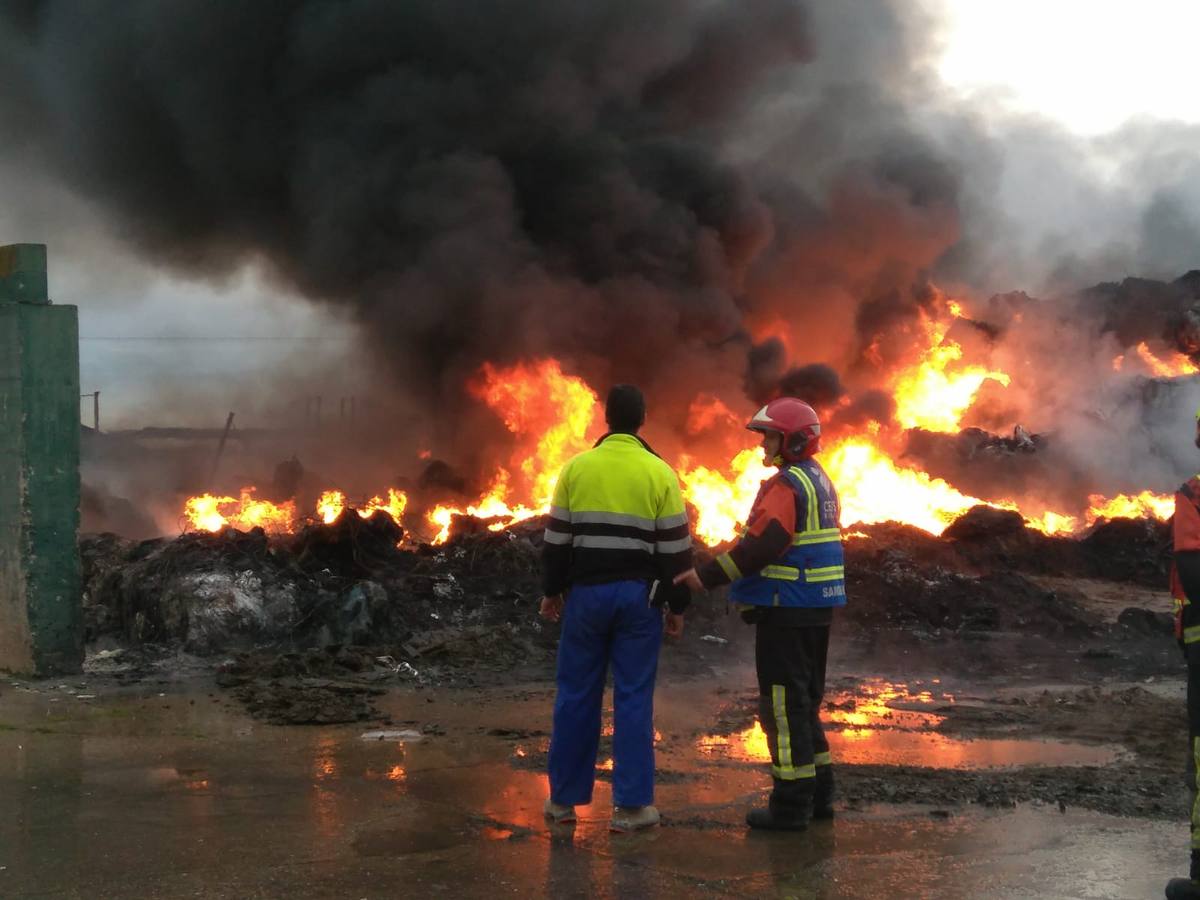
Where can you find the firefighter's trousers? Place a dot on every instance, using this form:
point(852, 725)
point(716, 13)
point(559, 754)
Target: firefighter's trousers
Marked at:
point(1193, 708)
point(602, 624)
point(791, 684)
point(1188, 563)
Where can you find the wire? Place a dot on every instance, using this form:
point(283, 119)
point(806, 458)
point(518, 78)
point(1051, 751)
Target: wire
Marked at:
point(173, 337)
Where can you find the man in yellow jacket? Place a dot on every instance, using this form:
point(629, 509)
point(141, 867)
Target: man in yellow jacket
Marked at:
point(616, 535)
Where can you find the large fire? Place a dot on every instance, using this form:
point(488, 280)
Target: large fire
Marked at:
point(209, 513)
point(722, 502)
point(936, 392)
point(553, 415)
point(1173, 366)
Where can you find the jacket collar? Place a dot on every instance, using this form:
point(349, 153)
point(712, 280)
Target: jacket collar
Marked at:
point(624, 437)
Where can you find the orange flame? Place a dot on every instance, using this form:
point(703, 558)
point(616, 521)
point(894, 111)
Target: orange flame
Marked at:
point(209, 513)
point(722, 503)
point(1145, 504)
point(535, 401)
point(936, 392)
point(394, 506)
point(707, 411)
point(330, 505)
point(872, 488)
point(551, 416)
point(1173, 367)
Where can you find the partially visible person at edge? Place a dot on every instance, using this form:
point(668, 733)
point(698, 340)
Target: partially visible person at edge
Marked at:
point(787, 575)
point(616, 535)
point(1185, 585)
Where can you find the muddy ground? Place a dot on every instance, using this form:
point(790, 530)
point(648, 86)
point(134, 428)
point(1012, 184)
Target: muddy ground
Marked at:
point(1051, 640)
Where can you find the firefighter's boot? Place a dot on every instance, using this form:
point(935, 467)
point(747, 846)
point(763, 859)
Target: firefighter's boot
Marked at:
point(789, 809)
point(1186, 888)
point(823, 794)
point(1183, 889)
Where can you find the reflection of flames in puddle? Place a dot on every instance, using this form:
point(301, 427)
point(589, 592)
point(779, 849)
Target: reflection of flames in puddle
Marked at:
point(327, 817)
point(871, 710)
point(750, 743)
point(395, 774)
point(875, 727)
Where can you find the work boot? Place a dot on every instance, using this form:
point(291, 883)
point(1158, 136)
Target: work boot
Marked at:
point(792, 813)
point(559, 815)
point(824, 793)
point(1183, 889)
point(633, 818)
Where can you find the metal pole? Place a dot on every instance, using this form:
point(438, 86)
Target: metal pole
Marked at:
point(220, 449)
point(96, 411)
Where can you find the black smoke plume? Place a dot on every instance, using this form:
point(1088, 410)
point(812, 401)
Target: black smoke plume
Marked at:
point(652, 191)
point(481, 180)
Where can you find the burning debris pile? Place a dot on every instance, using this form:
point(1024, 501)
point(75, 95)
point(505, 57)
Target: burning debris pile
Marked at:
point(346, 582)
point(472, 601)
point(981, 574)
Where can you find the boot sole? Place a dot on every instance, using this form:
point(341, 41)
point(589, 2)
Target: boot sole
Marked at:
point(630, 829)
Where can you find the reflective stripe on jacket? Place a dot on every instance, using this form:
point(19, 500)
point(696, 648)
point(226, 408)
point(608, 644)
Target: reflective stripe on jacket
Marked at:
point(617, 514)
point(812, 571)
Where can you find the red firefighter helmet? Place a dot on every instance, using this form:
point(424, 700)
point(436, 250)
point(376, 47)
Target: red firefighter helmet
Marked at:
point(796, 421)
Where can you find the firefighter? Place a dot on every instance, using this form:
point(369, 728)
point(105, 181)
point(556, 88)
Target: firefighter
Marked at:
point(788, 576)
point(1185, 584)
point(616, 535)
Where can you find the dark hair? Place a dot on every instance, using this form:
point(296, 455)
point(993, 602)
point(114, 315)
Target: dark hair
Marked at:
point(625, 408)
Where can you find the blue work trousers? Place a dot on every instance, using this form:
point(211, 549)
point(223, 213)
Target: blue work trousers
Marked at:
point(605, 623)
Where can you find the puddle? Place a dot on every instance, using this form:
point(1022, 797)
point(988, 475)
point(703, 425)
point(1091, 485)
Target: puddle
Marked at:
point(884, 723)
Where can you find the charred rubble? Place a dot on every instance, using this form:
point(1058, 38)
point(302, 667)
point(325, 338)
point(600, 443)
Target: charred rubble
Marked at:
point(350, 597)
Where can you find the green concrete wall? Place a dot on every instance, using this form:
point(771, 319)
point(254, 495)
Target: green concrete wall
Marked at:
point(40, 585)
point(16, 650)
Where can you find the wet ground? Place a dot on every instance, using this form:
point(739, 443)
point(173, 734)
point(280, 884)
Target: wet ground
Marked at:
point(956, 789)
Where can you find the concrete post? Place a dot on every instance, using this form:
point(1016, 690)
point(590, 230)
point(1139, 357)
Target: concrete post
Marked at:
point(40, 590)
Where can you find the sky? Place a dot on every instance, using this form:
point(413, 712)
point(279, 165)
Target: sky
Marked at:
point(1091, 67)
point(1090, 64)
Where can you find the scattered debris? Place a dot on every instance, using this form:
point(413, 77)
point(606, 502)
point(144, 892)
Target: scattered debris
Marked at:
point(402, 736)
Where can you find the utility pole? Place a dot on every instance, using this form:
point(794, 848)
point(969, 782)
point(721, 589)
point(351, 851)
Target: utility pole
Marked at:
point(220, 450)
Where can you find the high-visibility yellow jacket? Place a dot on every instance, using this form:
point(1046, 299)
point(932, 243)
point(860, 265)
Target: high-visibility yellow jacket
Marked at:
point(617, 514)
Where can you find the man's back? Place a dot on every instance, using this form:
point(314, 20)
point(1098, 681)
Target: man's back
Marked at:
point(617, 514)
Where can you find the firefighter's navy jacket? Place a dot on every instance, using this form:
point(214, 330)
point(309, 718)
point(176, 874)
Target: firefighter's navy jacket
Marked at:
point(617, 514)
point(790, 554)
